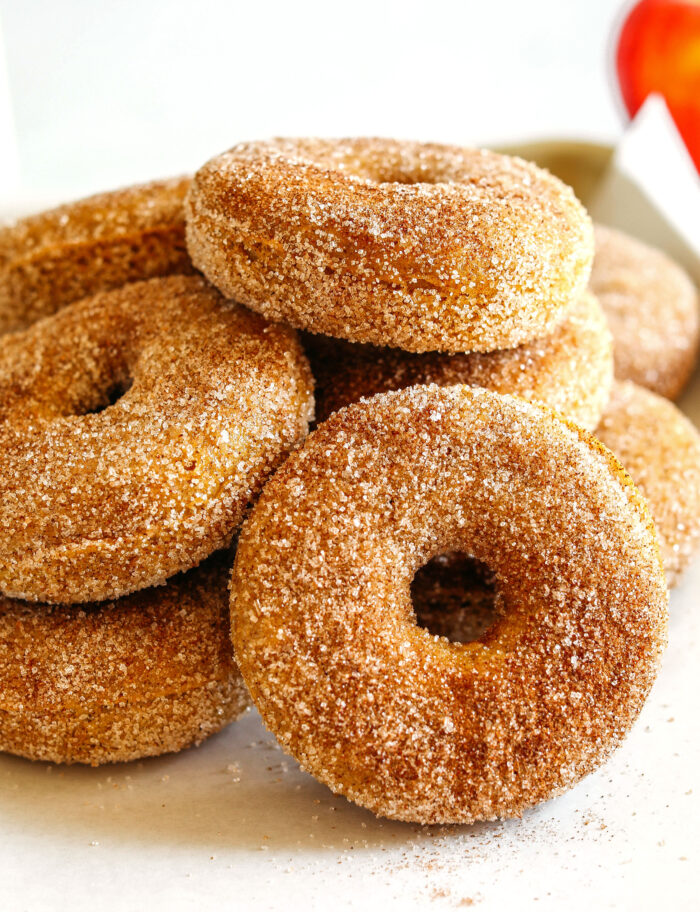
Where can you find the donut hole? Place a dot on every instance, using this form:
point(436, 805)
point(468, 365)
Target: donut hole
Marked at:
point(455, 596)
point(400, 176)
point(109, 397)
point(397, 172)
point(410, 179)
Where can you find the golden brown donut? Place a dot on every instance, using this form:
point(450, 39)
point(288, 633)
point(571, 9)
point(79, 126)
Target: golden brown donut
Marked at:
point(409, 725)
point(652, 308)
point(95, 244)
point(660, 449)
point(413, 245)
point(145, 675)
point(99, 500)
point(570, 370)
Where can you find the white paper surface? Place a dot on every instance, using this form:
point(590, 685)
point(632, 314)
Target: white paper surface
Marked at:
point(235, 824)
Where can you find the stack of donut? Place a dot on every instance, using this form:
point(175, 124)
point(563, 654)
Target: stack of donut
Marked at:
point(137, 424)
point(448, 601)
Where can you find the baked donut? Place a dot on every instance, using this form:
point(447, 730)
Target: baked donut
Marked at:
point(660, 449)
point(409, 725)
point(95, 244)
point(98, 500)
point(413, 245)
point(145, 675)
point(570, 370)
point(652, 308)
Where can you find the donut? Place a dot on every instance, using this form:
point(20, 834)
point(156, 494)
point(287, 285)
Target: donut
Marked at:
point(417, 246)
point(652, 309)
point(135, 428)
point(660, 448)
point(570, 370)
point(410, 725)
point(148, 674)
point(95, 244)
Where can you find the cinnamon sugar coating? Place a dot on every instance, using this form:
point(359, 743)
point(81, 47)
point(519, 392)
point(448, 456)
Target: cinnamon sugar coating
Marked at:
point(410, 725)
point(95, 244)
point(653, 311)
point(145, 675)
point(660, 448)
point(570, 370)
point(418, 246)
point(96, 504)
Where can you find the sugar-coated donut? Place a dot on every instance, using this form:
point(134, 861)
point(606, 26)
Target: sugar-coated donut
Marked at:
point(145, 675)
point(410, 725)
point(95, 244)
point(653, 312)
point(96, 504)
point(413, 245)
point(660, 449)
point(570, 370)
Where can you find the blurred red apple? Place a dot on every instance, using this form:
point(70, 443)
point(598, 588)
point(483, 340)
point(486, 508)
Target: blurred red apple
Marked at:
point(658, 50)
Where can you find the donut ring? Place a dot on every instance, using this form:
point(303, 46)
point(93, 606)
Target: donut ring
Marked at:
point(97, 504)
point(570, 370)
point(56, 257)
point(412, 726)
point(660, 449)
point(413, 245)
point(146, 675)
point(652, 308)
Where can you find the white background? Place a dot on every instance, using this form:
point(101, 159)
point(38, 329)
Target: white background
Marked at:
point(104, 93)
point(110, 91)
